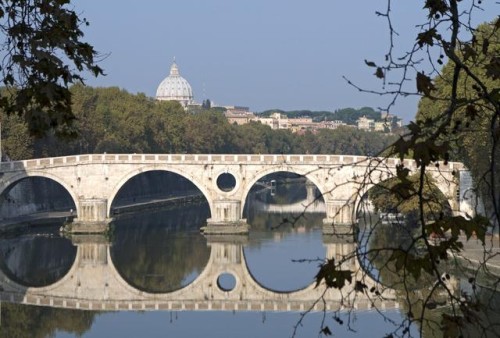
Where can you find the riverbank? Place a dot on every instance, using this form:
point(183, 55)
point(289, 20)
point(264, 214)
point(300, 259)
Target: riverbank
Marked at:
point(476, 254)
point(41, 218)
point(51, 217)
point(157, 204)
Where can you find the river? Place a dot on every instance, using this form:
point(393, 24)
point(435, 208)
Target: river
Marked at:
point(160, 254)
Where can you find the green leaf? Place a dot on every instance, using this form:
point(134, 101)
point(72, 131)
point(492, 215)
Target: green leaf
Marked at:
point(424, 84)
point(380, 73)
point(427, 37)
point(468, 52)
point(332, 275)
point(326, 331)
point(457, 225)
point(370, 63)
point(493, 68)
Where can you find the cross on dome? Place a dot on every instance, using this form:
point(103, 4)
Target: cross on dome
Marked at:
point(174, 70)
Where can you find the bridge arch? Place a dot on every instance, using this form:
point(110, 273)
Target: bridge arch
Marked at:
point(10, 181)
point(436, 183)
point(137, 171)
point(290, 169)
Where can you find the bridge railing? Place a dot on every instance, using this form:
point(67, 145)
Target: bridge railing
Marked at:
point(303, 159)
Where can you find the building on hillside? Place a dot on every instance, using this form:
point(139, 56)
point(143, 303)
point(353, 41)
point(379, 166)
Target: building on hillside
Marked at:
point(392, 120)
point(275, 121)
point(301, 123)
point(382, 126)
point(332, 124)
point(175, 88)
point(365, 123)
point(239, 115)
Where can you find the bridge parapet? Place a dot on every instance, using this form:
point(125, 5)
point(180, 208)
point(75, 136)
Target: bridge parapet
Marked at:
point(213, 159)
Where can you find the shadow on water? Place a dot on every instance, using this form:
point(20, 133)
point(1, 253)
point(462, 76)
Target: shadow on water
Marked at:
point(163, 250)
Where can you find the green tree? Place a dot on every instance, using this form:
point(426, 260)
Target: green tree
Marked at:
point(43, 54)
point(17, 144)
point(471, 133)
point(458, 116)
point(166, 128)
point(402, 196)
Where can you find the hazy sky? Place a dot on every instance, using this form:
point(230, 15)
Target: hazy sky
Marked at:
point(265, 54)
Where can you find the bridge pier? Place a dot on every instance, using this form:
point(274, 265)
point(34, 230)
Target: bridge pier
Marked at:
point(92, 277)
point(339, 218)
point(91, 217)
point(226, 219)
point(342, 248)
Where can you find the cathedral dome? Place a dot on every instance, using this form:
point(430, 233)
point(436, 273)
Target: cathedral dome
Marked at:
point(175, 87)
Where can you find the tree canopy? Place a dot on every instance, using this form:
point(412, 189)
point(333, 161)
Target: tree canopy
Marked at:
point(114, 121)
point(42, 54)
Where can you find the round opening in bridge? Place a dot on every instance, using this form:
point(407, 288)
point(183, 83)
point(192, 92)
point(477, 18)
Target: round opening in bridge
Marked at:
point(226, 282)
point(226, 182)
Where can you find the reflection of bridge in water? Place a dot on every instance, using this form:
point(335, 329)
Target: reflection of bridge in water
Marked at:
point(93, 283)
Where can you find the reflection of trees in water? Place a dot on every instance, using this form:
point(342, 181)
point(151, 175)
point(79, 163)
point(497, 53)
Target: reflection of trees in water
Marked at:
point(410, 292)
point(37, 259)
point(422, 298)
point(161, 251)
point(36, 321)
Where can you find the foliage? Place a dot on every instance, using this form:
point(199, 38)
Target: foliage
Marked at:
point(401, 195)
point(16, 142)
point(43, 54)
point(471, 134)
point(459, 118)
point(114, 121)
point(36, 321)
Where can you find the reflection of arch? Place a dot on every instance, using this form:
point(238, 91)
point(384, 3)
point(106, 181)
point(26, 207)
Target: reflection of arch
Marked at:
point(204, 274)
point(250, 276)
point(260, 174)
point(11, 181)
point(50, 287)
point(142, 170)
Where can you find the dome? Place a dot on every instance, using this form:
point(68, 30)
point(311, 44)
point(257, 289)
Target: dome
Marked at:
point(175, 87)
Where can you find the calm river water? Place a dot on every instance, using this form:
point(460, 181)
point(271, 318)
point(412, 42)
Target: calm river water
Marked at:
point(163, 251)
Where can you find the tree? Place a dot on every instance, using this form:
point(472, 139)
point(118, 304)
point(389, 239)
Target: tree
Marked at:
point(44, 54)
point(459, 114)
point(16, 142)
point(471, 138)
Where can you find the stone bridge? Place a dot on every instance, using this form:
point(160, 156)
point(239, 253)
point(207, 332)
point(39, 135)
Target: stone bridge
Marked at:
point(94, 180)
point(93, 283)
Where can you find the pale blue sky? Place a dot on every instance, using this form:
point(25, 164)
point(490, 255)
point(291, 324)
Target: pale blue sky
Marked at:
point(265, 54)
